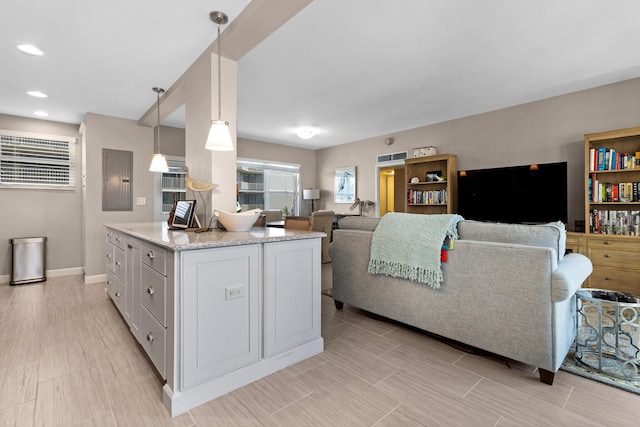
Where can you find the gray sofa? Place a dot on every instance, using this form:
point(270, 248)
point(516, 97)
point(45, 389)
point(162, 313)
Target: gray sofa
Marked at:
point(508, 289)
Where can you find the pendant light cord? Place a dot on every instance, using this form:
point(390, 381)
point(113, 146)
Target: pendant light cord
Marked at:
point(158, 91)
point(219, 75)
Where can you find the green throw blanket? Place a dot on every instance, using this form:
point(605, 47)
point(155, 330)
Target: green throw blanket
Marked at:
point(408, 246)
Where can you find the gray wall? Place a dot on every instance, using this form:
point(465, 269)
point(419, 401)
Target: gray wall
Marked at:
point(550, 130)
point(54, 214)
point(118, 134)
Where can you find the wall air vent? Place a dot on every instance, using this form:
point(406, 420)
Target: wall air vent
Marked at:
point(392, 157)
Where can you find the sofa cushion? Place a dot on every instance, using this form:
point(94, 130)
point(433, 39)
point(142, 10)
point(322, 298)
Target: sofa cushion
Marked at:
point(551, 235)
point(358, 223)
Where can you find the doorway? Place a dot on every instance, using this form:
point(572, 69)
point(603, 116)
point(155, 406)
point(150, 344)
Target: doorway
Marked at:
point(391, 188)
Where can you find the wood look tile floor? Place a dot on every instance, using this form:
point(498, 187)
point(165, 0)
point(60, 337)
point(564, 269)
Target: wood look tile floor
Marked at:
point(68, 359)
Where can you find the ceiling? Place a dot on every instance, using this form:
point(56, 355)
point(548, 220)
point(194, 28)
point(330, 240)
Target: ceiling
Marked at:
point(351, 70)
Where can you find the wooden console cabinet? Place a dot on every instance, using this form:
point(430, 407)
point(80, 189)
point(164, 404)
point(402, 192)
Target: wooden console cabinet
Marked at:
point(615, 259)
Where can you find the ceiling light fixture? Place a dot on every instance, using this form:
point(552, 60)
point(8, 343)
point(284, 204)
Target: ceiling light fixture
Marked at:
point(30, 49)
point(158, 162)
point(37, 94)
point(306, 133)
point(41, 113)
point(219, 138)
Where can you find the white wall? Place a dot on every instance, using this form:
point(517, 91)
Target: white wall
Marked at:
point(550, 130)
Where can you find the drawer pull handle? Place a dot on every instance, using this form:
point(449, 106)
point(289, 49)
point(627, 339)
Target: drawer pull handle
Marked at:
point(606, 255)
point(150, 337)
point(118, 294)
point(150, 254)
point(150, 290)
point(129, 245)
point(607, 278)
point(109, 282)
point(118, 262)
point(108, 255)
point(606, 242)
point(118, 239)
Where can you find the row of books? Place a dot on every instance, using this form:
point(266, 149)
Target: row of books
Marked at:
point(626, 223)
point(610, 192)
point(432, 197)
point(605, 159)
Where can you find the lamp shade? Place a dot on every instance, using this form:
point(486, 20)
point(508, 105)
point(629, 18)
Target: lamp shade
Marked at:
point(311, 194)
point(219, 138)
point(158, 163)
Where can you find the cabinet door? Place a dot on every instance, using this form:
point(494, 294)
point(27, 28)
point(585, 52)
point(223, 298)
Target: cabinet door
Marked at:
point(133, 285)
point(219, 311)
point(291, 294)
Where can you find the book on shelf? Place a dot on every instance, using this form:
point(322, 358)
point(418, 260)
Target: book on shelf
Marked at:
point(604, 159)
point(618, 222)
point(429, 197)
point(607, 192)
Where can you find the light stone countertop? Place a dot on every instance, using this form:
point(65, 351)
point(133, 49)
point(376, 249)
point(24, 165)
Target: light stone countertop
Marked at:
point(159, 234)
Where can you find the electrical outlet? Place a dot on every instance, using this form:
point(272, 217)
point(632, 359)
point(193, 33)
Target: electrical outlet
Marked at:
point(233, 292)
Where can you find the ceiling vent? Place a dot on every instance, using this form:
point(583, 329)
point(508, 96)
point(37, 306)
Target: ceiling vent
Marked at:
point(392, 157)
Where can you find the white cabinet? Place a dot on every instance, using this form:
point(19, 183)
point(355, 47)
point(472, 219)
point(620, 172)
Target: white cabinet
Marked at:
point(220, 311)
point(212, 319)
point(292, 294)
point(136, 282)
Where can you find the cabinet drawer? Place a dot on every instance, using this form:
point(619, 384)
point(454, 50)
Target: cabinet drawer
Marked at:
point(152, 339)
point(109, 256)
point(615, 279)
point(115, 238)
point(608, 257)
point(119, 263)
point(155, 257)
point(615, 244)
point(116, 289)
point(152, 292)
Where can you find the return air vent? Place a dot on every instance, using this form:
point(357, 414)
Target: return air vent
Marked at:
point(392, 157)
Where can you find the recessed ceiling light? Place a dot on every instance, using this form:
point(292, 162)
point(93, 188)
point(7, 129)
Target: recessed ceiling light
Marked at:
point(30, 49)
point(306, 133)
point(41, 113)
point(37, 94)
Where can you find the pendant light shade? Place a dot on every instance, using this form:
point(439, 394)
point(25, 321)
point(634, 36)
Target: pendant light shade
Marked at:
point(219, 138)
point(158, 162)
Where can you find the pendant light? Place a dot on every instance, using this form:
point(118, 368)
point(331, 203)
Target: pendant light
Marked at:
point(158, 162)
point(219, 138)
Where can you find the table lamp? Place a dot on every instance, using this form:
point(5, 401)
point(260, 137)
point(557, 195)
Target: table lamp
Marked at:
point(311, 194)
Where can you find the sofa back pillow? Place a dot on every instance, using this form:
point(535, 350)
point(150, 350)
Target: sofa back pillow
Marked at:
point(358, 223)
point(551, 235)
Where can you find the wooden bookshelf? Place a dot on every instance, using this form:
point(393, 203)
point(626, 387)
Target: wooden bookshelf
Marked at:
point(612, 221)
point(432, 195)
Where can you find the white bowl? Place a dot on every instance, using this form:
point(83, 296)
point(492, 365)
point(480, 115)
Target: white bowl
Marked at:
point(242, 221)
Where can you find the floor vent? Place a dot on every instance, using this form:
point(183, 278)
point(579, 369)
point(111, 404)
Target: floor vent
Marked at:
point(392, 157)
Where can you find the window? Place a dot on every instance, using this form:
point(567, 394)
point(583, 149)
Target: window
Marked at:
point(173, 185)
point(36, 161)
point(269, 185)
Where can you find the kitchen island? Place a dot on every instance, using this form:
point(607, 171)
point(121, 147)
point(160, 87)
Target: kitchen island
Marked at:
point(217, 310)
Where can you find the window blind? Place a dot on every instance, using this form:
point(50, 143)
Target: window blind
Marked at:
point(36, 161)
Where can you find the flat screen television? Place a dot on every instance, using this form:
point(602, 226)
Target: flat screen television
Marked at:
point(528, 194)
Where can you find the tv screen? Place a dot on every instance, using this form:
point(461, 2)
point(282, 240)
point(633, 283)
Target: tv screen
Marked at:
point(529, 194)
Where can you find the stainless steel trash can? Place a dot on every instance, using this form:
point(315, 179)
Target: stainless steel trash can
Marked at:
point(28, 260)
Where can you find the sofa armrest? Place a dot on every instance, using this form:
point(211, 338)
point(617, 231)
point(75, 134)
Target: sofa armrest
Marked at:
point(569, 276)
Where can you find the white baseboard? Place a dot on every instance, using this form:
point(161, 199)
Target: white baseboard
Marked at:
point(98, 278)
point(53, 273)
